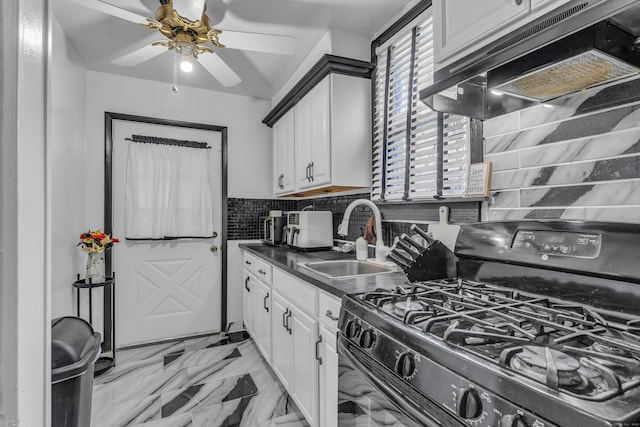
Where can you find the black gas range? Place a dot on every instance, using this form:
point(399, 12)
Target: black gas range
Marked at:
point(541, 327)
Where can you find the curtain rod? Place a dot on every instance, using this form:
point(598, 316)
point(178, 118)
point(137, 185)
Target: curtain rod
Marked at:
point(166, 141)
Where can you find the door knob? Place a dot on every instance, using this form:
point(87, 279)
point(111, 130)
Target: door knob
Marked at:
point(214, 248)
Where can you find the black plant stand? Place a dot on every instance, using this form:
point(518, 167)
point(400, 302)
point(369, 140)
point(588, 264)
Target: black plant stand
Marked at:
point(104, 363)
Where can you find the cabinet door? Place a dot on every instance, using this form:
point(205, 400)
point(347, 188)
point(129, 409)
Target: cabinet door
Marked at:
point(459, 23)
point(283, 154)
point(263, 323)
point(247, 302)
point(302, 151)
point(328, 386)
point(281, 349)
point(320, 98)
point(313, 136)
point(304, 378)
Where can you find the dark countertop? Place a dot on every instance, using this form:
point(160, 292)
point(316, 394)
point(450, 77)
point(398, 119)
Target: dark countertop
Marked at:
point(287, 259)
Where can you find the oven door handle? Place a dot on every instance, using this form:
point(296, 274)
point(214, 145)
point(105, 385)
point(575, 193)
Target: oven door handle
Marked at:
point(390, 393)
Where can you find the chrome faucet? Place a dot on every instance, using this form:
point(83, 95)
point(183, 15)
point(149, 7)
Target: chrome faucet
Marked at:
point(343, 228)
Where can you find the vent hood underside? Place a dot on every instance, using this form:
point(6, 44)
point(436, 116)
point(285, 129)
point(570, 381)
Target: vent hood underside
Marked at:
point(597, 43)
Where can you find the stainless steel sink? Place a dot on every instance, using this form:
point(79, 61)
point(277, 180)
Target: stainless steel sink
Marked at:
point(345, 268)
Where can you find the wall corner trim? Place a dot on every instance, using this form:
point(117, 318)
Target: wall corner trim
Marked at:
point(326, 65)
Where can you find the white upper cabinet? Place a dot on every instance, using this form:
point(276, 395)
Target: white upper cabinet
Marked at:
point(313, 136)
point(459, 23)
point(283, 159)
point(331, 128)
point(463, 26)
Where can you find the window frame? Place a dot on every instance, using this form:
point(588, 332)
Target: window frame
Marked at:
point(397, 31)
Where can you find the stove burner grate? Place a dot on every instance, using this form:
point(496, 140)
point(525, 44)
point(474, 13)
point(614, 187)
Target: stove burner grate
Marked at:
point(568, 347)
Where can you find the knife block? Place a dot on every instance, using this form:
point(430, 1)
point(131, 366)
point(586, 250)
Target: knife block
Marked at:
point(436, 261)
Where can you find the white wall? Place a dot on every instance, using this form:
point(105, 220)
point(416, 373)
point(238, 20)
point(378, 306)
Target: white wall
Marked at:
point(334, 42)
point(24, 205)
point(249, 141)
point(68, 169)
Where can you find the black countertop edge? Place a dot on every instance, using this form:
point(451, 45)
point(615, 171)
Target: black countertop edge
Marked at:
point(288, 260)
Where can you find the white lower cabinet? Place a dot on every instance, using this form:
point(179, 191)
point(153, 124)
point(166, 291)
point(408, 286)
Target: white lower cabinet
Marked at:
point(295, 334)
point(328, 311)
point(262, 307)
point(281, 340)
point(294, 325)
point(248, 301)
point(304, 378)
point(328, 379)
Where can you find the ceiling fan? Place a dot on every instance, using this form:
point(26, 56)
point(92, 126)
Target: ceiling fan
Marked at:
point(188, 32)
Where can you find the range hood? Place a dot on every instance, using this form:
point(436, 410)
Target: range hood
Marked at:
point(583, 44)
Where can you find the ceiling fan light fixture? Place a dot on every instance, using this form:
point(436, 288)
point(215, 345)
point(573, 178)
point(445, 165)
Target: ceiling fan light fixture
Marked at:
point(185, 63)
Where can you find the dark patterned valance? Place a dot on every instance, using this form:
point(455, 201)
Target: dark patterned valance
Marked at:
point(167, 141)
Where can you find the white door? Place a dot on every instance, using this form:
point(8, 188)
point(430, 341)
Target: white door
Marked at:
point(167, 288)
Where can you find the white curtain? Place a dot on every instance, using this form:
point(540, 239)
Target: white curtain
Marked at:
point(168, 192)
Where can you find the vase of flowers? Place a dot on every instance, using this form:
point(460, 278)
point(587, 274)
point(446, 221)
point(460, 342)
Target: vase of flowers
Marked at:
point(94, 243)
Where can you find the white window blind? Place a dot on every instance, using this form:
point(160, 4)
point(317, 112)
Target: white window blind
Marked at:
point(406, 149)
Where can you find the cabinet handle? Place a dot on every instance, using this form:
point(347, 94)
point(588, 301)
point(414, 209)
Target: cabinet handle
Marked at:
point(261, 271)
point(284, 319)
point(318, 358)
point(330, 315)
point(265, 302)
point(281, 181)
point(518, 2)
point(311, 171)
point(246, 284)
point(289, 317)
point(248, 262)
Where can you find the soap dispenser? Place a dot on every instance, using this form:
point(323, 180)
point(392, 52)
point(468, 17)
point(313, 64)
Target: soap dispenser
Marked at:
point(362, 249)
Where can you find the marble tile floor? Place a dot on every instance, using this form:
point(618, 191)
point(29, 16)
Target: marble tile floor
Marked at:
point(207, 382)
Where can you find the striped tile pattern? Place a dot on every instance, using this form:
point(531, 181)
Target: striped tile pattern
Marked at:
point(206, 382)
point(579, 159)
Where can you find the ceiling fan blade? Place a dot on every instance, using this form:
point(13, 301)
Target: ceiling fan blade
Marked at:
point(268, 43)
point(219, 69)
point(111, 10)
point(139, 56)
point(190, 9)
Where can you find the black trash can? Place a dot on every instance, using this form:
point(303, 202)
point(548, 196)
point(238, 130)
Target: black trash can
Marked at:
point(75, 347)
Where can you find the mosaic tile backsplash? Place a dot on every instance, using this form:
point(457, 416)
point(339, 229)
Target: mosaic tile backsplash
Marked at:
point(245, 216)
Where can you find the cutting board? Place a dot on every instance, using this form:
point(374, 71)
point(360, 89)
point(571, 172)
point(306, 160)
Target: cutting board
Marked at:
point(443, 231)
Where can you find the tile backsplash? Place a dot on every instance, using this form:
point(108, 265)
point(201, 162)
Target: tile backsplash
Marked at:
point(245, 216)
point(578, 158)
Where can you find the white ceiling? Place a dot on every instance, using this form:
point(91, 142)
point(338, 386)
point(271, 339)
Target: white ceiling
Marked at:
point(100, 38)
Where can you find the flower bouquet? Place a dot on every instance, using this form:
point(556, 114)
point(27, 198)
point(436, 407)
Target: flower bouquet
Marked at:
point(95, 243)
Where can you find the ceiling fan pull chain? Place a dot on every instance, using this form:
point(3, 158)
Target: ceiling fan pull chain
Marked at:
point(174, 88)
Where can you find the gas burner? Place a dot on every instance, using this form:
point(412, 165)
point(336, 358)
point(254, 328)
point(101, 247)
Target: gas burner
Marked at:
point(405, 306)
point(547, 365)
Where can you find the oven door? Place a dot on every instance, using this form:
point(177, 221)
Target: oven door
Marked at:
point(369, 395)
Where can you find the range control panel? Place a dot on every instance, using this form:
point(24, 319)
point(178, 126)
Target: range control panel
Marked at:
point(570, 244)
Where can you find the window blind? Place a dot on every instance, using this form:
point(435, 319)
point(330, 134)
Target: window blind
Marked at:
point(406, 142)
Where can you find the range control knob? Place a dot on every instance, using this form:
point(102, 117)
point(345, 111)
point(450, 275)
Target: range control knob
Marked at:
point(406, 365)
point(367, 339)
point(513, 421)
point(352, 329)
point(469, 404)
